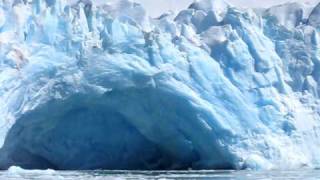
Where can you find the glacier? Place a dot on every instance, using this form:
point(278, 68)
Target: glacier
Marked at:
point(101, 85)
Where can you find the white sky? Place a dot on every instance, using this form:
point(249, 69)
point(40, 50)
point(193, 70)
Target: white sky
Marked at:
point(157, 7)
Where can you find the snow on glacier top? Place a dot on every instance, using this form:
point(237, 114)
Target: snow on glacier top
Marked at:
point(177, 5)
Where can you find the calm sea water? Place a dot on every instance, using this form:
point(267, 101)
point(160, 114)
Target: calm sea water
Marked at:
point(14, 174)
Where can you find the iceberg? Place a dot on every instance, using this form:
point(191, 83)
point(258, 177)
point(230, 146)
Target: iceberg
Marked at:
point(94, 85)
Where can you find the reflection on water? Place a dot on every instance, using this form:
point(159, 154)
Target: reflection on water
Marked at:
point(215, 175)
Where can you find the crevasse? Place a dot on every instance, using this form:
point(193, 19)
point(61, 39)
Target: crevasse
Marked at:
point(93, 85)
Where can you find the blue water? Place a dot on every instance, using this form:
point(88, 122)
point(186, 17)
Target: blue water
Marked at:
point(216, 175)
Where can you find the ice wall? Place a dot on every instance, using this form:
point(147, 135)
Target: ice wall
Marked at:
point(87, 85)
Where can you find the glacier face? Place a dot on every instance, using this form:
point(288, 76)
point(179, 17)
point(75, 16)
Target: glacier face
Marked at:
point(88, 85)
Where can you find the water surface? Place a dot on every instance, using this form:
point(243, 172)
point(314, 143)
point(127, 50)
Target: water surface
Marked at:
point(18, 173)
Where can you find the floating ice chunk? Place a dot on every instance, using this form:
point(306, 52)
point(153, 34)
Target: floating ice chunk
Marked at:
point(18, 170)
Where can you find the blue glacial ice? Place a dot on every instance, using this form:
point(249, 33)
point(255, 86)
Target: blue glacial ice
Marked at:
point(93, 85)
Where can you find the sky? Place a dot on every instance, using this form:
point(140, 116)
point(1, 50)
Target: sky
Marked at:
point(157, 7)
